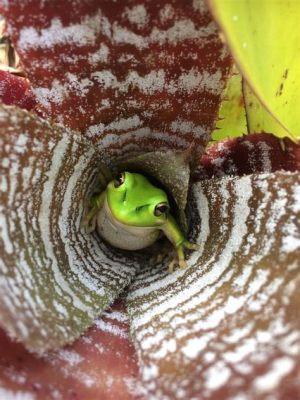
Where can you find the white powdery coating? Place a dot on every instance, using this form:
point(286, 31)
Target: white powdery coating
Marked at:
point(116, 315)
point(122, 124)
point(296, 197)
point(4, 232)
point(239, 230)
point(181, 30)
point(100, 55)
point(82, 34)
point(265, 156)
point(279, 369)
point(166, 13)
point(196, 80)
point(137, 15)
point(49, 176)
point(55, 95)
point(71, 357)
point(44, 220)
point(129, 141)
point(185, 126)
point(82, 273)
point(180, 320)
point(217, 376)
point(6, 394)
point(155, 81)
point(87, 31)
point(111, 328)
point(291, 240)
point(194, 346)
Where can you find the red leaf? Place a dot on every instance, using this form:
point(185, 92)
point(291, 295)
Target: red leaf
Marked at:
point(16, 90)
point(249, 154)
point(100, 365)
point(110, 68)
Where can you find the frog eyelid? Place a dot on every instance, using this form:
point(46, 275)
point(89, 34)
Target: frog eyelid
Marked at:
point(161, 209)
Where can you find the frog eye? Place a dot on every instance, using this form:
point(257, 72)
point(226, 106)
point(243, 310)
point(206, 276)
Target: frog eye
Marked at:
point(119, 180)
point(161, 208)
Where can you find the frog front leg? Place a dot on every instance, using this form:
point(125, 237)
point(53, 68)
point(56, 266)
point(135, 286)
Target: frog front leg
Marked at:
point(176, 237)
point(96, 203)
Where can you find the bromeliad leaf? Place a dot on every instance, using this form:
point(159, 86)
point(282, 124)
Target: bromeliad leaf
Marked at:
point(97, 68)
point(15, 90)
point(234, 313)
point(249, 154)
point(55, 278)
point(259, 119)
point(264, 39)
point(138, 76)
point(232, 115)
point(99, 365)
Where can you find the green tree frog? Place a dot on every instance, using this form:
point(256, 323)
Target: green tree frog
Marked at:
point(131, 213)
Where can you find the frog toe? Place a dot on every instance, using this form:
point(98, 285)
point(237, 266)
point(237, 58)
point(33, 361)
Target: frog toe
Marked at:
point(191, 246)
point(172, 265)
point(182, 264)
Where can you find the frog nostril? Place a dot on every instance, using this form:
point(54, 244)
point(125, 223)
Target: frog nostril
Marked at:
point(161, 208)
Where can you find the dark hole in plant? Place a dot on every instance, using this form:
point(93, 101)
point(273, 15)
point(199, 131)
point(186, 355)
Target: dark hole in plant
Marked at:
point(162, 246)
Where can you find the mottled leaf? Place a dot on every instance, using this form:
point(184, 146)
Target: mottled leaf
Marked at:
point(250, 154)
point(228, 326)
point(264, 39)
point(232, 115)
point(55, 278)
point(124, 70)
point(100, 365)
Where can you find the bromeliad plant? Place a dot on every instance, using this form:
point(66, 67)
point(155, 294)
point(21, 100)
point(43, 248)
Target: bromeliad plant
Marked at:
point(115, 81)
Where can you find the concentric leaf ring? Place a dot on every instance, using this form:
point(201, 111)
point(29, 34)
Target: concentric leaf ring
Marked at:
point(55, 278)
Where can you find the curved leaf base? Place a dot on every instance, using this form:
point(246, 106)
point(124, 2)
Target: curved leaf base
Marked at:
point(55, 278)
point(228, 325)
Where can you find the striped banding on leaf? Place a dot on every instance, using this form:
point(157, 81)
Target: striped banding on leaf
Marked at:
point(55, 278)
point(228, 325)
point(154, 69)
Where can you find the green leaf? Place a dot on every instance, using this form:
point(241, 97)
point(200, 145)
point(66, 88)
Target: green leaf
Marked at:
point(258, 117)
point(264, 38)
point(232, 117)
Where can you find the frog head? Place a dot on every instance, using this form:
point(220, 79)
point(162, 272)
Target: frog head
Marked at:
point(134, 201)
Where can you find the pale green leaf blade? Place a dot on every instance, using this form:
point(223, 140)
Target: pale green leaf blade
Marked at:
point(258, 117)
point(232, 117)
point(264, 38)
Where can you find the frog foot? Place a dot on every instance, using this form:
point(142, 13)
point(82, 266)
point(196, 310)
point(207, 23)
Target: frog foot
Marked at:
point(180, 260)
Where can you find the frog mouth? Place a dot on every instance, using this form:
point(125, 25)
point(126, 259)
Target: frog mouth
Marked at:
point(123, 236)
